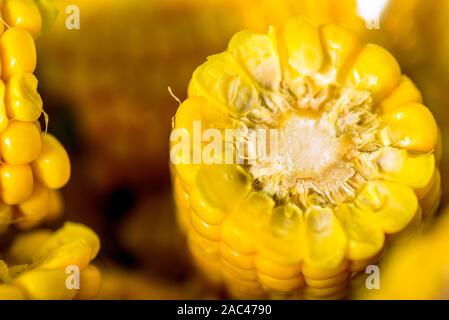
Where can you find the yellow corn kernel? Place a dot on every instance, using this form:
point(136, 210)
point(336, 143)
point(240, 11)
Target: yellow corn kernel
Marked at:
point(237, 237)
point(45, 285)
point(234, 93)
point(256, 53)
point(341, 46)
point(16, 183)
point(247, 275)
point(209, 231)
point(23, 102)
point(3, 116)
point(300, 46)
point(52, 166)
point(311, 272)
point(199, 109)
point(405, 92)
point(414, 171)
point(204, 209)
point(70, 233)
point(35, 208)
point(24, 14)
point(187, 174)
point(236, 258)
point(75, 253)
point(20, 143)
point(218, 185)
point(376, 70)
point(195, 115)
point(413, 228)
point(25, 246)
point(325, 240)
point(280, 236)
point(276, 270)
point(282, 285)
point(90, 280)
point(48, 13)
point(390, 204)
point(182, 197)
point(412, 127)
point(365, 236)
point(17, 52)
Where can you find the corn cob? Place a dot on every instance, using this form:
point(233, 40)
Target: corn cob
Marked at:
point(33, 163)
point(416, 271)
point(357, 166)
point(38, 262)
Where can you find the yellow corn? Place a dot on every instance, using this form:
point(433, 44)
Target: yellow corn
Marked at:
point(38, 264)
point(52, 166)
point(21, 143)
point(33, 163)
point(356, 164)
point(24, 14)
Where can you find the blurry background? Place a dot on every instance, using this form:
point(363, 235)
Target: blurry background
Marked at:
point(105, 89)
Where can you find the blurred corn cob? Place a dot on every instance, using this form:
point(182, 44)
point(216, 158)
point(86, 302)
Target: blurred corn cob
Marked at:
point(34, 164)
point(419, 270)
point(357, 165)
point(36, 265)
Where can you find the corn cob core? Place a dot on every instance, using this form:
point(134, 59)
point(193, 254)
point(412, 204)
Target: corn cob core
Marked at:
point(33, 163)
point(356, 163)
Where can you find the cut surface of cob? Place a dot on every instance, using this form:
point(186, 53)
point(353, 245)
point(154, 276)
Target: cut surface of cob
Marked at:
point(355, 167)
point(38, 264)
point(33, 163)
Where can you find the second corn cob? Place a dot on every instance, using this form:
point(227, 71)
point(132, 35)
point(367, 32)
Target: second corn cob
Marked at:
point(357, 167)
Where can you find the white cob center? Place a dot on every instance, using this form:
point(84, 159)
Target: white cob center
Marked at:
point(306, 146)
point(324, 147)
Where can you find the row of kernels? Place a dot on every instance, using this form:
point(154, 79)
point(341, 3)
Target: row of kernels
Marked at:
point(241, 269)
point(21, 181)
point(222, 246)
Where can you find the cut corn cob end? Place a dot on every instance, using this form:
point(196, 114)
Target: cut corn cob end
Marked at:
point(33, 164)
point(355, 167)
point(40, 264)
